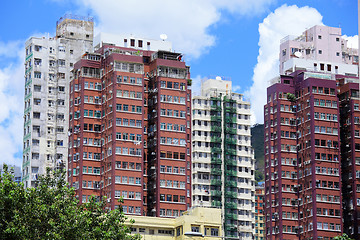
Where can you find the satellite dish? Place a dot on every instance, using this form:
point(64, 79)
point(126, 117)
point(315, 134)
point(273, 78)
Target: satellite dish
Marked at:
point(298, 54)
point(163, 36)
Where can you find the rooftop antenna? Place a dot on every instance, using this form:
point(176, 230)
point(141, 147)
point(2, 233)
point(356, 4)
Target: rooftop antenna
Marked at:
point(163, 36)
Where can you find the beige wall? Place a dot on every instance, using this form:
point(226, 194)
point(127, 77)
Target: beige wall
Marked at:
point(166, 228)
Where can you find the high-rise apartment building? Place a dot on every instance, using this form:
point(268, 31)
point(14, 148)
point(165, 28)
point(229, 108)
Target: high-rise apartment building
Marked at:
point(310, 159)
point(350, 154)
point(223, 160)
point(48, 64)
point(130, 128)
point(302, 157)
point(259, 212)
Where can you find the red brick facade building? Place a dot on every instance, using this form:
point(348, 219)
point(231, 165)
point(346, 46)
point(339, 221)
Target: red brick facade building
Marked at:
point(307, 152)
point(130, 130)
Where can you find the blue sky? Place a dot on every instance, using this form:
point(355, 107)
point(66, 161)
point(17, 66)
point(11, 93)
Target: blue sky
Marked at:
point(237, 39)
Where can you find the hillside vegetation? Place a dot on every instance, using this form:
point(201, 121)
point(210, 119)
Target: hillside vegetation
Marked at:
point(257, 142)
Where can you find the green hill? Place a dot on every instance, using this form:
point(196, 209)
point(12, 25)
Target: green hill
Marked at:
point(257, 142)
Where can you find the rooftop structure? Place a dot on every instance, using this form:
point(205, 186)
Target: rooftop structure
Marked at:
point(318, 49)
point(131, 41)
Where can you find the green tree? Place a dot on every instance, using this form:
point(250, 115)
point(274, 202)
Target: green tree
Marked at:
point(51, 211)
point(343, 237)
point(259, 176)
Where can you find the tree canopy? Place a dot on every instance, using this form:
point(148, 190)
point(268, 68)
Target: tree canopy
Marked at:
point(343, 237)
point(51, 211)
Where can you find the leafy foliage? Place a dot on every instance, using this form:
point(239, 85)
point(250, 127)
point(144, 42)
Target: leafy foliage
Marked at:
point(259, 176)
point(291, 97)
point(51, 211)
point(343, 237)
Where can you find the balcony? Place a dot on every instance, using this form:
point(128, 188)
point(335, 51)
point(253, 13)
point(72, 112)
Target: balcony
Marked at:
point(230, 110)
point(231, 194)
point(230, 152)
point(216, 193)
point(216, 150)
point(216, 108)
point(231, 216)
point(230, 227)
point(215, 171)
point(227, 99)
point(230, 184)
point(216, 139)
point(231, 205)
point(215, 182)
point(215, 98)
point(216, 129)
point(231, 173)
point(230, 162)
point(230, 130)
point(215, 160)
point(230, 141)
point(245, 228)
point(230, 119)
point(215, 118)
point(216, 204)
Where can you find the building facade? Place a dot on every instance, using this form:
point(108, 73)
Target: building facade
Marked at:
point(196, 223)
point(303, 157)
point(15, 170)
point(259, 212)
point(350, 154)
point(48, 64)
point(130, 130)
point(223, 160)
point(311, 138)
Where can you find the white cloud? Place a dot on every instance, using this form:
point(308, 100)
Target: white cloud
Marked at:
point(244, 7)
point(236, 88)
point(352, 41)
point(196, 85)
point(186, 22)
point(10, 49)
point(11, 98)
point(285, 20)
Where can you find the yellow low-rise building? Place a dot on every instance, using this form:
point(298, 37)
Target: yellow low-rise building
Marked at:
point(196, 223)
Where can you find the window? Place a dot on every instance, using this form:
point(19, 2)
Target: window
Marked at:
point(214, 232)
point(195, 228)
point(37, 74)
point(36, 115)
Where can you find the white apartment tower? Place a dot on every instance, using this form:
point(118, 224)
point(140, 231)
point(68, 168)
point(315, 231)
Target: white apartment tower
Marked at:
point(223, 161)
point(48, 66)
